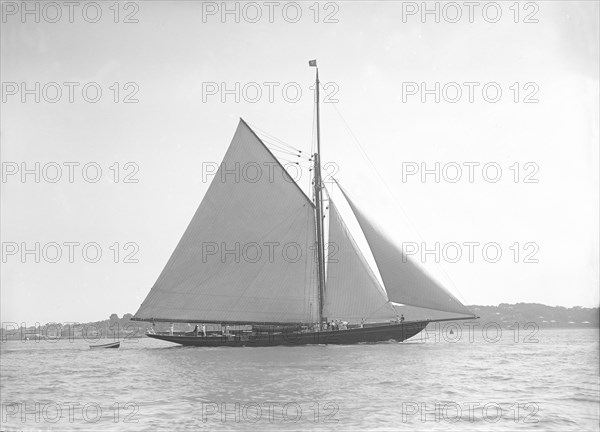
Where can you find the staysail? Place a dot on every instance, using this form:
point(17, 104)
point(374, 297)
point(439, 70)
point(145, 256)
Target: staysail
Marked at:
point(353, 292)
point(404, 281)
point(247, 256)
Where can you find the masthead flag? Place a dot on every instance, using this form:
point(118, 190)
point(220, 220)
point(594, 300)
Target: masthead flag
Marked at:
point(312, 63)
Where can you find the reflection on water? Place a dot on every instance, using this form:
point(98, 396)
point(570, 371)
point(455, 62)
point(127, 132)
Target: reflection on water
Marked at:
point(423, 384)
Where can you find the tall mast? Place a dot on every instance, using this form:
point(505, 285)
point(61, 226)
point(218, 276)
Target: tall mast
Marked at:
point(319, 203)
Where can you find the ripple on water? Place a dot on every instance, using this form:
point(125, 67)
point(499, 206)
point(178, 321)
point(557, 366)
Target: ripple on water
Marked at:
point(375, 387)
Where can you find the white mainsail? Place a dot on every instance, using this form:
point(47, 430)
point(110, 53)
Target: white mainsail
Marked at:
point(404, 281)
point(248, 255)
point(352, 291)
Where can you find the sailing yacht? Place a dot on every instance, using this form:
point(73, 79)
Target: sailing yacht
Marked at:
point(281, 291)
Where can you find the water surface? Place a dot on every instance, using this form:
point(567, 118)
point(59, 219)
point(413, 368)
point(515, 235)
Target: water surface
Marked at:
point(547, 380)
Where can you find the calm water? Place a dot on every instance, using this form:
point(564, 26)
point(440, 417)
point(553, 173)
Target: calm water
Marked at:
point(423, 384)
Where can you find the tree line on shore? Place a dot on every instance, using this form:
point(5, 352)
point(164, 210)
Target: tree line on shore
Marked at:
point(506, 315)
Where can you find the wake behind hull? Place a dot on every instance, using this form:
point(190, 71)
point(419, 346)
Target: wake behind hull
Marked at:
point(398, 332)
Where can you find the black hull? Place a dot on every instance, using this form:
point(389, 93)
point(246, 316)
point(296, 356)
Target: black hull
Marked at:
point(398, 332)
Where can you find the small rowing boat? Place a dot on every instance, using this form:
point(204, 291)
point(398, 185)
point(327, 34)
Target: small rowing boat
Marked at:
point(108, 345)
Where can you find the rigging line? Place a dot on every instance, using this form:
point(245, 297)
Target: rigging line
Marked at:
point(308, 162)
point(288, 160)
point(273, 137)
point(278, 148)
point(273, 143)
point(301, 158)
point(380, 178)
point(281, 151)
point(312, 149)
point(300, 164)
point(283, 143)
point(277, 143)
point(296, 160)
point(297, 157)
point(290, 156)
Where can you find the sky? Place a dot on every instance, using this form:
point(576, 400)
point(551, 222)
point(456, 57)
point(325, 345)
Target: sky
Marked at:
point(376, 130)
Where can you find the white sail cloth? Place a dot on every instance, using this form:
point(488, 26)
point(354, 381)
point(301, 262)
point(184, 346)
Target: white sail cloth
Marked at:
point(404, 281)
point(352, 291)
point(248, 254)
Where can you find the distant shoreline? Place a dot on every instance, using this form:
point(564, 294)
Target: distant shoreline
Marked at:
point(504, 316)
